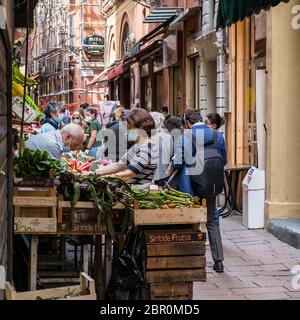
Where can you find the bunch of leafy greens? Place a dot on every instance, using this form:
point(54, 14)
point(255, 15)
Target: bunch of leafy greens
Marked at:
point(36, 164)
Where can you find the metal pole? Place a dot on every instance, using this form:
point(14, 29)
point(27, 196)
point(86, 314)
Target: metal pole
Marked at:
point(81, 46)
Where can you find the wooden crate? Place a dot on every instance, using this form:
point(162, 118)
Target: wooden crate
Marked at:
point(85, 218)
point(171, 291)
point(176, 235)
point(169, 262)
point(144, 217)
point(84, 291)
point(35, 207)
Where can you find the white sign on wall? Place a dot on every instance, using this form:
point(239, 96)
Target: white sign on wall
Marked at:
point(87, 72)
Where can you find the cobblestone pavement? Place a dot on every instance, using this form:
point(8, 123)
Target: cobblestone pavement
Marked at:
point(257, 266)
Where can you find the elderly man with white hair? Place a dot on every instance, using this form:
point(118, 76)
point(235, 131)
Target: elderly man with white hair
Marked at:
point(70, 137)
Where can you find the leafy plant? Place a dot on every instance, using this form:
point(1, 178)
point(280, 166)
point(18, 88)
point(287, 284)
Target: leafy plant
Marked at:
point(36, 164)
point(96, 189)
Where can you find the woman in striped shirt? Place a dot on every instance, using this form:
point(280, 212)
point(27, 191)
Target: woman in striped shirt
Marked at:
point(138, 165)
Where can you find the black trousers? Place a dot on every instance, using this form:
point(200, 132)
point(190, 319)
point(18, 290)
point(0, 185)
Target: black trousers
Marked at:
point(213, 229)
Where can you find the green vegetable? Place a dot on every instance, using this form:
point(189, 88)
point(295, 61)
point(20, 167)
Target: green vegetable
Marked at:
point(36, 165)
point(75, 188)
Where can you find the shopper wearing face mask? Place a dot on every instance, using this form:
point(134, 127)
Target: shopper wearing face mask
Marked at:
point(76, 118)
point(138, 165)
point(70, 137)
point(93, 133)
point(52, 119)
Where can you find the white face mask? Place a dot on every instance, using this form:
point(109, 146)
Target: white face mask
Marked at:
point(89, 119)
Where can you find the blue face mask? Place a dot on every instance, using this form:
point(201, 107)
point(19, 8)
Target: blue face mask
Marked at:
point(77, 121)
point(66, 149)
point(60, 118)
point(132, 136)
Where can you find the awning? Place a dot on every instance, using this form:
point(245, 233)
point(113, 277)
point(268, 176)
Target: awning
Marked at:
point(116, 71)
point(102, 77)
point(232, 11)
point(186, 14)
point(145, 52)
point(160, 15)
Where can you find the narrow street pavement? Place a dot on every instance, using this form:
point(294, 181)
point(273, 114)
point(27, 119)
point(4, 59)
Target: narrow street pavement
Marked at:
point(257, 266)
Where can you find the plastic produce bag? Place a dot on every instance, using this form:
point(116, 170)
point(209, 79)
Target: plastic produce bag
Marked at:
point(128, 280)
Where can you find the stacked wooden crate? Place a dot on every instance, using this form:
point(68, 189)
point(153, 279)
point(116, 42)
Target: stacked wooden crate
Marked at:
point(35, 206)
point(85, 218)
point(175, 250)
point(84, 291)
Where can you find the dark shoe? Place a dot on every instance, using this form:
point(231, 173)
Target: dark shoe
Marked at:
point(218, 267)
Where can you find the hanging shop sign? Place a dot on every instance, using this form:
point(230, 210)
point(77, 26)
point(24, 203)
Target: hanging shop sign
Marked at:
point(94, 44)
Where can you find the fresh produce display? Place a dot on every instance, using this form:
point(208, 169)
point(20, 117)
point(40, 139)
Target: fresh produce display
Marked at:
point(164, 199)
point(80, 162)
point(27, 128)
point(100, 190)
point(36, 164)
point(77, 162)
point(77, 165)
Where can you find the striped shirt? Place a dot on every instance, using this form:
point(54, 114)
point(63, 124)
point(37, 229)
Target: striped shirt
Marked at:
point(142, 160)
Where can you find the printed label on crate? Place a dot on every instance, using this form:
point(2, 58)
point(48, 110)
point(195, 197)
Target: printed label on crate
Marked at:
point(88, 228)
point(42, 183)
point(33, 225)
point(81, 228)
point(175, 237)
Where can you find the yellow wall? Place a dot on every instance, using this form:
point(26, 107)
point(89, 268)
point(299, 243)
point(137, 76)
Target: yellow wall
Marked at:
point(283, 114)
point(115, 20)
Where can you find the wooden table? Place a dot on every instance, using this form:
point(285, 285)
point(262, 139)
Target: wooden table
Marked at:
point(233, 177)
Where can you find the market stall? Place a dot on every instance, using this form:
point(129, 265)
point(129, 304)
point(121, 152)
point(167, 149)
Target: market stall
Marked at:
point(65, 198)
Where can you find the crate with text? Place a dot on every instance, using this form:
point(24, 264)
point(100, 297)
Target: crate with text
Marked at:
point(169, 262)
point(35, 206)
point(85, 218)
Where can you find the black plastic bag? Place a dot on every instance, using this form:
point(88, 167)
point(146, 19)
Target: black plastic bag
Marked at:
point(128, 280)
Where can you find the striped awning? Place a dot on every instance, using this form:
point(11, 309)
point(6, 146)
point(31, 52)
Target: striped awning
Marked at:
point(232, 11)
point(160, 15)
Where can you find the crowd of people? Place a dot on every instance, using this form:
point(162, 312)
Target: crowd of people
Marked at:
point(145, 149)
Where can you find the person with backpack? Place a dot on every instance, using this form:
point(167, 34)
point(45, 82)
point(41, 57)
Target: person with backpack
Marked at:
point(201, 153)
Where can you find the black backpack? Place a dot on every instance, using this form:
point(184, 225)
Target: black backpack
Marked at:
point(128, 279)
point(211, 181)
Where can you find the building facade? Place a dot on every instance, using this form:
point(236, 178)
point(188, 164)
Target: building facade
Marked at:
point(67, 51)
point(282, 129)
point(188, 63)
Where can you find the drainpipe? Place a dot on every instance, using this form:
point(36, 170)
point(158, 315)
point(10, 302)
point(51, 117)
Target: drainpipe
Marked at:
point(221, 90)
point(221, 94)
